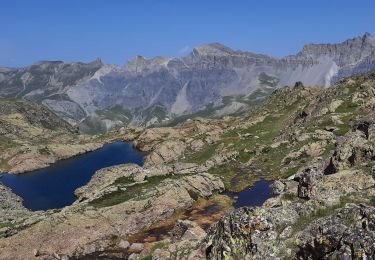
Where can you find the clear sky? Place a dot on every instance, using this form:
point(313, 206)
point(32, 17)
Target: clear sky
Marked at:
point(81, 30)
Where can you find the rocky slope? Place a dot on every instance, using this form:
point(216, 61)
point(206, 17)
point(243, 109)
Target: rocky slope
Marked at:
point(317, 143)
point(213, 80)
point(32, 137)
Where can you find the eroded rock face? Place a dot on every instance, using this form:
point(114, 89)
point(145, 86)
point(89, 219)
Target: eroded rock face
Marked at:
point(166, 152)
point(348, 234)
point(352, 149)
point(10, 205)
point(309, 178)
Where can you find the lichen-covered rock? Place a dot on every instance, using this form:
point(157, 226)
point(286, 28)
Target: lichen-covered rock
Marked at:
point(351, 150)
point(309, 178)
point(347, 234)
point(80, 230)
point(10, 205)
point(166, 152)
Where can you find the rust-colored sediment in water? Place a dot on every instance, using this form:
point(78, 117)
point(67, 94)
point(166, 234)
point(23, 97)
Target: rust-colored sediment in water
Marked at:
point(204, 212)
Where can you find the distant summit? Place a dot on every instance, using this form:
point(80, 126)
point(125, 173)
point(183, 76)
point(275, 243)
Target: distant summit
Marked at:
point(213, 49)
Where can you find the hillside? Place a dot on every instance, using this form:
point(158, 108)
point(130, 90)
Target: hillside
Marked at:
point(212, 81)
point(33, 137)
point(316, 143)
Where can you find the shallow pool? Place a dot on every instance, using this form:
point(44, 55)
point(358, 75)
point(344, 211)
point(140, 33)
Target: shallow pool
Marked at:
point(255, 195)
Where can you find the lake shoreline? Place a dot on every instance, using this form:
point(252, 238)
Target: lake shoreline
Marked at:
point(51, 160)
point(54, 186)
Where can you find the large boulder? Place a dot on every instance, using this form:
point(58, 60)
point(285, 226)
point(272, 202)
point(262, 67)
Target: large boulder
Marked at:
point(309, 178)
point(352, 149)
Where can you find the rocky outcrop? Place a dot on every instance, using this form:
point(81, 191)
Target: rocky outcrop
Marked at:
point(245, 234)
point(309, 179)
point(10, 205)
point(166, 152)
point(106, 177)
point(273, 229)
point(349, 233)
point(324, 211)
point(166, 145)
point(352, 149)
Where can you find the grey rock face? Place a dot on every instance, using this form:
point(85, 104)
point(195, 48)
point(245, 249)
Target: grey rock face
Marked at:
point(34, 114)
point(349, 234)
point(156, 90)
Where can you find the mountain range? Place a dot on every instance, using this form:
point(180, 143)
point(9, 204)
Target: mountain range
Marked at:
point(213, 80)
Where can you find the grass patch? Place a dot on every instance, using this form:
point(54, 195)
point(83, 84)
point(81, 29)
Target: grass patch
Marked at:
point(226, 172)
point(44, 151)
point(124, 180)
point(136, 191)
point(304, 220)
point(291, 171)
point(6, 224)
point(245, 156)
point(4, 165)
point(330, 147)
point(7, 143)
point(235, 178)
point(202, 155)
point(372, 200)
point(346, 107)
point(159, 245)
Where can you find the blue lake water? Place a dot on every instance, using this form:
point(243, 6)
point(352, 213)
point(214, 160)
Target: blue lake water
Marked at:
point(256, 195)
point(53, 187)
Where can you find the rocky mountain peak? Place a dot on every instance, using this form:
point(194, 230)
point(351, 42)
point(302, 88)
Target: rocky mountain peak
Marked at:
point(216, 49)
point(142, 64)
point(357, 43)
point(352, 51)
point(367, 35)
point(97, 61)
point(368, 38)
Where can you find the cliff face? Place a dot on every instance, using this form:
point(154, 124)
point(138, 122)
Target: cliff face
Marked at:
point(213, 80)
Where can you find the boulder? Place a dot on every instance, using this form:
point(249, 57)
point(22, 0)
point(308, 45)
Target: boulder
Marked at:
point(124, 244)
point(278, 187)
point(352, 149)
point(309, 178)
point(136, 247)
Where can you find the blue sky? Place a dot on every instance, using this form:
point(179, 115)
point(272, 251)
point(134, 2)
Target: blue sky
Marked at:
point(81, 30)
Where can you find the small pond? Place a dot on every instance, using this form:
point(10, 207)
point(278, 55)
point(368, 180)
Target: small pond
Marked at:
point(255, 195)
